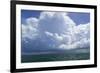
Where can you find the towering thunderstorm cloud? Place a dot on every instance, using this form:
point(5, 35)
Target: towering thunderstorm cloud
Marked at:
point(55, 30)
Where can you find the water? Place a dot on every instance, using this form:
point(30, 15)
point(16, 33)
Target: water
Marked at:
point(82, 54)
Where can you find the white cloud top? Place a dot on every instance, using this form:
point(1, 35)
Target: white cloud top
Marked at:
point(56, 30)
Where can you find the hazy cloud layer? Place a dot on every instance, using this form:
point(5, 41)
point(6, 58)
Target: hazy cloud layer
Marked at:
point(56, 30)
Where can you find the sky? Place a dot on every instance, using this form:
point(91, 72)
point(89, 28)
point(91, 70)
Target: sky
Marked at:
point(28, 13)
point(78, 18)
point(45, 30)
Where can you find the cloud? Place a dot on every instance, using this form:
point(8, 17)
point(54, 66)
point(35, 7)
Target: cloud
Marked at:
point(56, 30)
point(29, 30)
point(48, 33)
point(79, 38)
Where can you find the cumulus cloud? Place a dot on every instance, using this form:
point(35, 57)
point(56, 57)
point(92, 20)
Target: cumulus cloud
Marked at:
point(48, 33)
point(56, 30)
point(29, 30)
